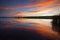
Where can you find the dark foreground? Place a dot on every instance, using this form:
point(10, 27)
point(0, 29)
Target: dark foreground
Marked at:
point(23, 34)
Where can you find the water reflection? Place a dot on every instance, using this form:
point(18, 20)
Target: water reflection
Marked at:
point(26, 22)
point(32, 23)
point(39, 25)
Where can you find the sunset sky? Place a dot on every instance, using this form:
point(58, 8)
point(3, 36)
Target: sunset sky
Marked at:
point(29, 7)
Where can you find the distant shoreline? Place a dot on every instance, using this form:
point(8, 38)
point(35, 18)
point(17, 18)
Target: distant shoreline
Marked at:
point(35, 17)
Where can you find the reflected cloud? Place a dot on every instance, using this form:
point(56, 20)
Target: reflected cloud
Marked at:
point(16, 26)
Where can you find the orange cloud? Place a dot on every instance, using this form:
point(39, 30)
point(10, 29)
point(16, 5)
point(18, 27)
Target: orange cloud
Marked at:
point(47, 8)
point(41, 6)
point(39, 3)
point(19, 14)
point(7, 8)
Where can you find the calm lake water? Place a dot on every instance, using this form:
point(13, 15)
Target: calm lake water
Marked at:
point(42, 26)
point(31, 23)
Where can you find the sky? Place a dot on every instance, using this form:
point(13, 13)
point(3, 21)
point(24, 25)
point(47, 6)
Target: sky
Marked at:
point(29, 7)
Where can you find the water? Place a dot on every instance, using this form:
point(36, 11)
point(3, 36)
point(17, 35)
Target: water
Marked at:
point(31, 23)
point(42, 26)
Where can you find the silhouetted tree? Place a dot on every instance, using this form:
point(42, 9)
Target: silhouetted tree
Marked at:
point(56, 23)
